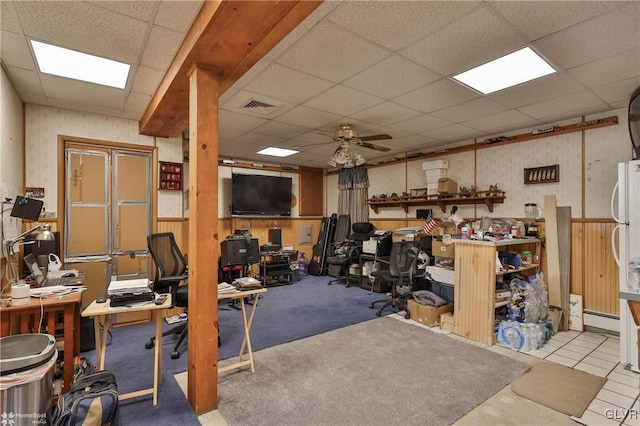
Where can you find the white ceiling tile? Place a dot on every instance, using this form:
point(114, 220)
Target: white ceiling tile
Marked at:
point(178, 15)
point(9, 18)
point(67, 24)
point(610, 69)
point(283, 130)
point(254, 71)
point(452, 133)
point(599, 37)
point(147, 80)
point(239, 121)
point(142, 10)
point(286, 83)
point(420, 124)
point(80, 92)
point(501, 121)
point(310, 21)
point(161, 47)
point(25, 81)
point(475, 108)
point(536, 21)
point(308, 117)
point(86, 108)
point(386, 113)
point(342, 100)
point(393, 24)
point(36, 99)
point(441, 94)
point(535, 91)
point(228, 133)
point(137, 103)
point(411, 142)
point(392, 77)
point(239, 99)
point(15, 51)
point(618, 93)
point(332, 53)
point(258, 140)
point(579, 103)
point(476, 38)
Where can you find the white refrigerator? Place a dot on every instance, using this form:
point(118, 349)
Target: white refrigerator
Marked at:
point(625, 209)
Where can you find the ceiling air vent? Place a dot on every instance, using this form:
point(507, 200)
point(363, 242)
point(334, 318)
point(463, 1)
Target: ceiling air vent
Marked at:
point(260, 107)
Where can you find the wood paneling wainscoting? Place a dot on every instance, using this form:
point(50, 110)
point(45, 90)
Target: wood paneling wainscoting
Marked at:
point(594, 272)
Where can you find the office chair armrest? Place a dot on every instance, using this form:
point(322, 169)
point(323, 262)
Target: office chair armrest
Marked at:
point(172, 278)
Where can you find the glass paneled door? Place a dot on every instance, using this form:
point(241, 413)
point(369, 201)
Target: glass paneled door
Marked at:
point(108, 215)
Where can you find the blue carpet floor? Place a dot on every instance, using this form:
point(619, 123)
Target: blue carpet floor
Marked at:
point(286, 313)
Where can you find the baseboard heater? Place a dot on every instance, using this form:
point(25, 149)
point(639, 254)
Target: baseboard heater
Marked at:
point(602, 321)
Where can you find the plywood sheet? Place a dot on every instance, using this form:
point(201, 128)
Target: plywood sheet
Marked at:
point(87, 177)
point(87, 230)
point(132, 227)
point(551, 243)
point(564, 260)
point(132, 169)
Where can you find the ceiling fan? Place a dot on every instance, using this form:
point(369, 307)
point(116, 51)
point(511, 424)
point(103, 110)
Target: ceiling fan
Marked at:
point(344, 155)
point(346, 133)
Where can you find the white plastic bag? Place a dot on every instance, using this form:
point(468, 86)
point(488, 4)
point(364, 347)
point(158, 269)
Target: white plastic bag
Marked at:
point(54, 262)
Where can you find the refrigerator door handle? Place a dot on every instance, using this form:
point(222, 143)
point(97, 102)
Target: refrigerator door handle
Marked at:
point(614, 247)
point(613, 203)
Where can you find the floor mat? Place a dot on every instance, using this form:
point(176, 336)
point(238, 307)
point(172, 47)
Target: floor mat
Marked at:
point(556, 386)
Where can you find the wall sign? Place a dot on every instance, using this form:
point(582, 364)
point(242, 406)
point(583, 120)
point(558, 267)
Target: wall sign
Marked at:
point(542, 174)
point(170, 176)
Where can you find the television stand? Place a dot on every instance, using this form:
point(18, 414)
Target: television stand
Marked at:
point(275, 268)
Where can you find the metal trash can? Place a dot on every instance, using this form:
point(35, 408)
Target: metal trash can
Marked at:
point(26, 378)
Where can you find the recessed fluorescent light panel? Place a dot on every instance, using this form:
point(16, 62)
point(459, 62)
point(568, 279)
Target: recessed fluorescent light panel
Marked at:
point(80, 66)
point(514, 68)
point(277, 152)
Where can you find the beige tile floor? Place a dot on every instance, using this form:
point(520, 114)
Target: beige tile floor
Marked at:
point(617, 403)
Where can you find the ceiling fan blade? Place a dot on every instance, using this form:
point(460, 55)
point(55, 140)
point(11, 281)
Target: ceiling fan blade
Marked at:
point(376, 147)
point(381, 137)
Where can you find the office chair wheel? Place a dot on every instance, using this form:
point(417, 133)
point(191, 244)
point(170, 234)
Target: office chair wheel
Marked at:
point(379, 313)
point(406, 316)
point(175, 354)
point(371, 306)
point(149, 344)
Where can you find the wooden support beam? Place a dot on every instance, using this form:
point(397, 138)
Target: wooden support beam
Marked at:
point(228, 38)
point(204, 247)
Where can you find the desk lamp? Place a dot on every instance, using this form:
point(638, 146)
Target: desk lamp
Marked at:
point(29, 209)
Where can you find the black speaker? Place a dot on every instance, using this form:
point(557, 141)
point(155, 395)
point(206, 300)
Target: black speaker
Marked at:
point(87, 334)
point(423, 213)
point(239, 251)
point(275, 237)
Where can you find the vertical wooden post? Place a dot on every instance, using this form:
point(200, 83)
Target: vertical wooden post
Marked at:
point(204, 248)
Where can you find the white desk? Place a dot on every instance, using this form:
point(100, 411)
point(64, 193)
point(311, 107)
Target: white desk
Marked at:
point(103, 312)
point(246, 341)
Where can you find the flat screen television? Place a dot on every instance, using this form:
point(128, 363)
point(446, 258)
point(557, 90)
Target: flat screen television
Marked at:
point(260, 195)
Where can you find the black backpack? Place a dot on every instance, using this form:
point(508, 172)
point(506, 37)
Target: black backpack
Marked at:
point(92, 399)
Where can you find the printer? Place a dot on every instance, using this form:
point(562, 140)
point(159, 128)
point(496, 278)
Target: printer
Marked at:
point(379, 244)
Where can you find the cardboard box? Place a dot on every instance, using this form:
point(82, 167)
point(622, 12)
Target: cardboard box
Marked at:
point(447, 186)
point(427, 315)
point(447, 322)
point(435, 164)
point(435, 173)
point(443, 250)
point(444, 228)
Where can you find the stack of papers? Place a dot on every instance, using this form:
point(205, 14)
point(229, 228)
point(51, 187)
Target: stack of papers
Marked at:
point(54, 291)
point(138, 286)
point(224, 288)
point(245, 283)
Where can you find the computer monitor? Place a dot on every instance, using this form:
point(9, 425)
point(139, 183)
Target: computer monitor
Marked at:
point(27, 208)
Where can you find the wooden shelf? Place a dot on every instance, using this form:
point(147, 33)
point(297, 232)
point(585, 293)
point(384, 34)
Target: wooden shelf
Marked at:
point(483, 197)
point(521, 269)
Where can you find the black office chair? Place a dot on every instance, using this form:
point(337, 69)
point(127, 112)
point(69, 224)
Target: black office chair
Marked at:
point(402, 270)
point(349, 252)
point(171, 271)
point(336, 260)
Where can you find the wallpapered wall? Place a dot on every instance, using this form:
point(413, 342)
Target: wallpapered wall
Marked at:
point(44, 124)
point(11, 164)
point(504, 165)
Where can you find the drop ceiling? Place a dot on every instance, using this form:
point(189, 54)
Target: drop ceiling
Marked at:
point(383, 66)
